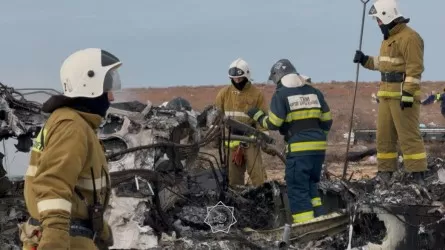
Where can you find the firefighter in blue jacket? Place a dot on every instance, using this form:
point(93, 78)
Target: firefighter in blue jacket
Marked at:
point(433, 98)
point(301, 114)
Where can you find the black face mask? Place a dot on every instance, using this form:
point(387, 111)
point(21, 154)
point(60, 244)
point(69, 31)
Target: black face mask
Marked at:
point(388, 27)
point(98, 105)
point(240, 86)
point(385, 31)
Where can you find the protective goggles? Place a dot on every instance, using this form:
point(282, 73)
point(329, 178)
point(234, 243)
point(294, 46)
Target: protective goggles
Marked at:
point(236, 72)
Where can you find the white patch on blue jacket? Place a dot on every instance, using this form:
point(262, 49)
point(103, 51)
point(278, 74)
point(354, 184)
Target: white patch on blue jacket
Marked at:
point(308, 101)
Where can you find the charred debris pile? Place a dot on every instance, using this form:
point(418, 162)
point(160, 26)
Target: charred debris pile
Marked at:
point(411, 216)
point(182, 224)
point(163, 188)
point(161, 185)
point(12, 212)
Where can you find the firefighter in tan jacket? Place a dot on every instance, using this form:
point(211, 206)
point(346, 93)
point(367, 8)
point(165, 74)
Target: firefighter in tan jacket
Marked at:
point(235, 100)
point(67, 183)
point(401, 65)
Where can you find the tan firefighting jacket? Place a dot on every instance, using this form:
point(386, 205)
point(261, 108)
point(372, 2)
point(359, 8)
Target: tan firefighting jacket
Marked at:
point(62, 157)
point(401, 52)
point(235, 104)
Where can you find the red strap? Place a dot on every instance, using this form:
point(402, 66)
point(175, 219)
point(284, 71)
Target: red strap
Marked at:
point(36, 233)
point(238, 156)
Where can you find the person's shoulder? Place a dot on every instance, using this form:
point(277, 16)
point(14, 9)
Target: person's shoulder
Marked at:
point(256, 90)
point(63, 113)
point(283, 92)
point(312, 89)
point(223, 90)
point(67, 117)
point(410, 33)
point(316, 91)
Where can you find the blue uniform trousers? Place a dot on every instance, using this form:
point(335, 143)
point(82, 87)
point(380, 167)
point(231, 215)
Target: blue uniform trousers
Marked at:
point(302, 176)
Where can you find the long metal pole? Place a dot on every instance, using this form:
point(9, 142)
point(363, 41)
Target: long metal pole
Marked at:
point(345, 168)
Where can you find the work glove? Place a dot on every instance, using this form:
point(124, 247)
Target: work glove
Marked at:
point(359, 57)
point(407, 100)
point(255, 113)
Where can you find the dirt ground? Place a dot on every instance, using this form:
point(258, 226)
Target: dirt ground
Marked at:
point(339, 96)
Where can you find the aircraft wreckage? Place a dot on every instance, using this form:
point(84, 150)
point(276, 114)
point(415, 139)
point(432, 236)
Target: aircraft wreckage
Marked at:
point(168, 194)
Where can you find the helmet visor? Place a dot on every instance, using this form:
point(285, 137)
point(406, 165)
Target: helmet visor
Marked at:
point(112, 81)
point(236, 72)
point(108, 59)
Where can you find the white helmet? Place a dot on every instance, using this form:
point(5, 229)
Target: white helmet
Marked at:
point(89, 73)
point(385, 10)
point(239, 68)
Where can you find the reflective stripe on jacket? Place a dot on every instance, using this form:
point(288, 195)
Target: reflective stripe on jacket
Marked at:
point(401, 52)
point(302, 109)
point(62, 156)
point(235, 104)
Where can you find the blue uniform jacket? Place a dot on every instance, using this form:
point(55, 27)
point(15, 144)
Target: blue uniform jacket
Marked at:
point(436, 98)
point(302, 115)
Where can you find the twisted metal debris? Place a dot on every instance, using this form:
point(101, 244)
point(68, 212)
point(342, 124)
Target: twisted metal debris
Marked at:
point(162, 186)
point(410, 215)
point(150, 165)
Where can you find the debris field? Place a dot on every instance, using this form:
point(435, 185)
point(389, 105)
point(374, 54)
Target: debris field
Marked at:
point(165, 188)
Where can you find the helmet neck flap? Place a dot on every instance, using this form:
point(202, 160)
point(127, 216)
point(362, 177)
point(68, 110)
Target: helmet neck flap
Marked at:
point(97, 105)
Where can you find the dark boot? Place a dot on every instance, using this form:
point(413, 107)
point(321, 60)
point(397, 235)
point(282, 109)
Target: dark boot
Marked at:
point(319, 211)
point(419, 178)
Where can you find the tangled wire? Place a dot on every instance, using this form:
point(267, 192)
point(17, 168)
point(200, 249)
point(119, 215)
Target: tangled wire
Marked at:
point(10, 95)
point(183, 149)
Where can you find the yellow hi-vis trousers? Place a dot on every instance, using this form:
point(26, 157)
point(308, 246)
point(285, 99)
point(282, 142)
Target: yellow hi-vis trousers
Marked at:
point(309, 215)
point(395, 124)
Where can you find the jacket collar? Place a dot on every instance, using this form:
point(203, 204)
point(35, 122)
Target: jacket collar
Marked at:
point(398, 28)
point(92, 119)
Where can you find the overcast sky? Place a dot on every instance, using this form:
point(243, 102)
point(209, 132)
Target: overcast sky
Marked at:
point(192, 42)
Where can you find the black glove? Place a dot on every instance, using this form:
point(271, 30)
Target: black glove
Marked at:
point(407, 100)
point(360, 57)
point(255, 113)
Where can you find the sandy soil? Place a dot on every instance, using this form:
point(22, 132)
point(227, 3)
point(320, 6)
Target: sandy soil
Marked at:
point(339, 96)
